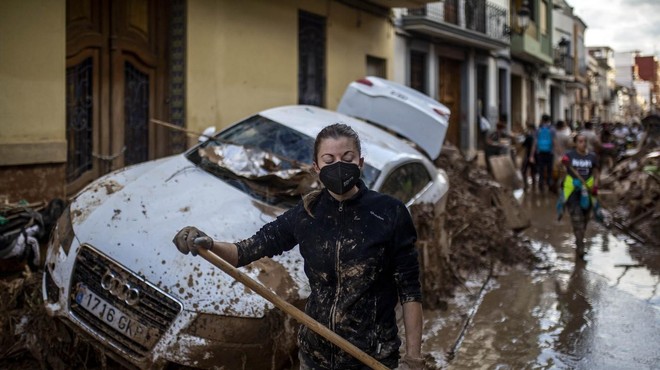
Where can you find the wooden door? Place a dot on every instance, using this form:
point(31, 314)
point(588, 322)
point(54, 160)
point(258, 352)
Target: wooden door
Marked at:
point(116, 78)
point(449, 91)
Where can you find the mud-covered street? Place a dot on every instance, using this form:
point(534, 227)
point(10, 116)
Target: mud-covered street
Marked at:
point(600, 314)
point(555, 313)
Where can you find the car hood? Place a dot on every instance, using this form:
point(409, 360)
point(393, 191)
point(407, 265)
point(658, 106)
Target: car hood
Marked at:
point(132, 216)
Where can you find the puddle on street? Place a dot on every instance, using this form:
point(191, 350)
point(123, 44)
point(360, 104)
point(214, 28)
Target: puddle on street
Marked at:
point(602, 313)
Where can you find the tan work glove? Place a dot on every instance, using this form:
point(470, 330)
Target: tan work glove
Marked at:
point(411, 363)
point(190, 239)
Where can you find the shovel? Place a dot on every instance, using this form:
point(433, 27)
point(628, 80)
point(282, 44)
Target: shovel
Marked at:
point(285, 306)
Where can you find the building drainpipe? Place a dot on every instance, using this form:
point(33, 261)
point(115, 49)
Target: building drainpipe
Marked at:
point(491, 95)
point(432, 67)
point(472, 104)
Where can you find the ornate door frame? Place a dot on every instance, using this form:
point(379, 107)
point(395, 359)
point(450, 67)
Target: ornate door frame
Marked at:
point(118, 34)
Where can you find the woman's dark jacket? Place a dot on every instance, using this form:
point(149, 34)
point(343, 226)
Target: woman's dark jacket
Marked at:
point(360, 260)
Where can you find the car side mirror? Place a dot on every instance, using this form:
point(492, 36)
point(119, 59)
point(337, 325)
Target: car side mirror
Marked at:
point(208, 132)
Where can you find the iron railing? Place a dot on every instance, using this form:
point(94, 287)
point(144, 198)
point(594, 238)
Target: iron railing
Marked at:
point(566, 62)
point(476, 15)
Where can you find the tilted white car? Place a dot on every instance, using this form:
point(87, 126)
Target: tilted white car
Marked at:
point(113, 274)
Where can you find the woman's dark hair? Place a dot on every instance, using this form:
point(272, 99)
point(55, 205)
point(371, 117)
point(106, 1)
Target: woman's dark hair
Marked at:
point(334, 131)
point(579, 134)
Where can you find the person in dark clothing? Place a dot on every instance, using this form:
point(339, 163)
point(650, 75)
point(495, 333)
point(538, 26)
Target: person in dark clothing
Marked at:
point(580, 188)
point(360, 258)
point(542, 152)
point(528, 166)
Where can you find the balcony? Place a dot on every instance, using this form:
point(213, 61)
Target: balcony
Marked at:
point(565, 62)
point(476, 23)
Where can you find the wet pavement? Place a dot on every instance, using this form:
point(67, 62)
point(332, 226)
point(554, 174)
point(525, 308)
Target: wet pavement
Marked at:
point(602, 313)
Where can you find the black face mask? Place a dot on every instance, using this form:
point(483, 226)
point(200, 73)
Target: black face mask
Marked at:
point(340, 177)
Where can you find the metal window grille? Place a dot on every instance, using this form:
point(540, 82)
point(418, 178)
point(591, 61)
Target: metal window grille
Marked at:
point(136, 105)
point(311, 59)
point(418, 70)
point(177, 90)
point(79, 119)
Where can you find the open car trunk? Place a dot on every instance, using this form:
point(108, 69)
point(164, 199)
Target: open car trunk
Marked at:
point(398, 108)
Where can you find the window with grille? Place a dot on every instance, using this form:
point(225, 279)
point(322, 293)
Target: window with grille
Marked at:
point(311, 59)
point(418, 70)
point(136, 104)
point(79, 119)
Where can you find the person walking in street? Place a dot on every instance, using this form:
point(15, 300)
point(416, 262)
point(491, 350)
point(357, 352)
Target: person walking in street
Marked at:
point(542, 152)
point(564, 144)
point(359, 255)
point(528, 166)
point(593, 143)
point(580, 187)
point(564, 139)
point(496, 143)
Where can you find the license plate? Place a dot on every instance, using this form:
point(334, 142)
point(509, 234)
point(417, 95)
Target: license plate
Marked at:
point(114, 317)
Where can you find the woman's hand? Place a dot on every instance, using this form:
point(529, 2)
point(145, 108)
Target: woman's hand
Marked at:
point(185, 240)
point(411, 363)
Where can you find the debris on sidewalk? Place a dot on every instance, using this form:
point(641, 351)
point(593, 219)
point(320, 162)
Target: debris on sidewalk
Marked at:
point(24, 228)
point(29, 338)
point(473, 233)
point(631, 191)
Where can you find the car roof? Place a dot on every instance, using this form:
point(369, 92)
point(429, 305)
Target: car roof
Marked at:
point(378, 147)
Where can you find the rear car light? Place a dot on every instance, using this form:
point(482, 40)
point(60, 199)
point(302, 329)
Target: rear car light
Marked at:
point(364, 81)
point(438, 111)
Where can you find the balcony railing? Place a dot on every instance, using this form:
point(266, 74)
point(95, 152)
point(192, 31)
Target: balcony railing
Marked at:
point(476, 15)
point(566, 62)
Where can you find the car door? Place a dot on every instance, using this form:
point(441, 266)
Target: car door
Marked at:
point(407, 182)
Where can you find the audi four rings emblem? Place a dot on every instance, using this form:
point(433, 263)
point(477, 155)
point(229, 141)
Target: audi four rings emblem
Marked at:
point(120, 288)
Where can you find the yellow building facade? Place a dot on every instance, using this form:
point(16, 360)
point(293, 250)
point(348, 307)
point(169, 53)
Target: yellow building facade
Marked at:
point(239, 57)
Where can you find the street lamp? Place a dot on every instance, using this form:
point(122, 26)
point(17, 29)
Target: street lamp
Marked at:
point(522, 20)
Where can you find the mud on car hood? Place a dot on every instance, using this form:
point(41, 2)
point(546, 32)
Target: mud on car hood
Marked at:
point(131, 216)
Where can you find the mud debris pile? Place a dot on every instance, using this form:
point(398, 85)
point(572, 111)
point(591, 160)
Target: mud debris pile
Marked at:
point(29, 338)
point(631, 193)
point(633, 196)
point(472, 235)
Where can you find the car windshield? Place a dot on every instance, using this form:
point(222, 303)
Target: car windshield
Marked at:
point(265, 159)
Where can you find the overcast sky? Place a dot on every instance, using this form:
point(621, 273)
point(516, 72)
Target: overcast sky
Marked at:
point(623, 25)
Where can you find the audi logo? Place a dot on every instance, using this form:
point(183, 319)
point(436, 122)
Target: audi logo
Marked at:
point(120, 288)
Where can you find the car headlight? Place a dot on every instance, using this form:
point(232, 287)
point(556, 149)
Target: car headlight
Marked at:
point(52, 290)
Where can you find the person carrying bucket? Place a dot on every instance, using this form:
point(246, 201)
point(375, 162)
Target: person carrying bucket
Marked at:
point(580, 188)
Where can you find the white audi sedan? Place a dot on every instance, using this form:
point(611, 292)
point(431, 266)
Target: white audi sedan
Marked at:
point(114, 276)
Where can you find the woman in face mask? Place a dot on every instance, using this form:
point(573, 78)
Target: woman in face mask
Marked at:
point(360, 259)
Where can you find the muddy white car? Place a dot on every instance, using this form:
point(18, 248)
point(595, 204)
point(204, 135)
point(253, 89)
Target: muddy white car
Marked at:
point(114, 276)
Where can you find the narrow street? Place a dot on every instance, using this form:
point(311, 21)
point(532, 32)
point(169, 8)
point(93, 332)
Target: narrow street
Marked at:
point(600, 314)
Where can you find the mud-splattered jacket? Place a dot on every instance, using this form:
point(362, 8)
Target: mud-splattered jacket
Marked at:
point(360, 260)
